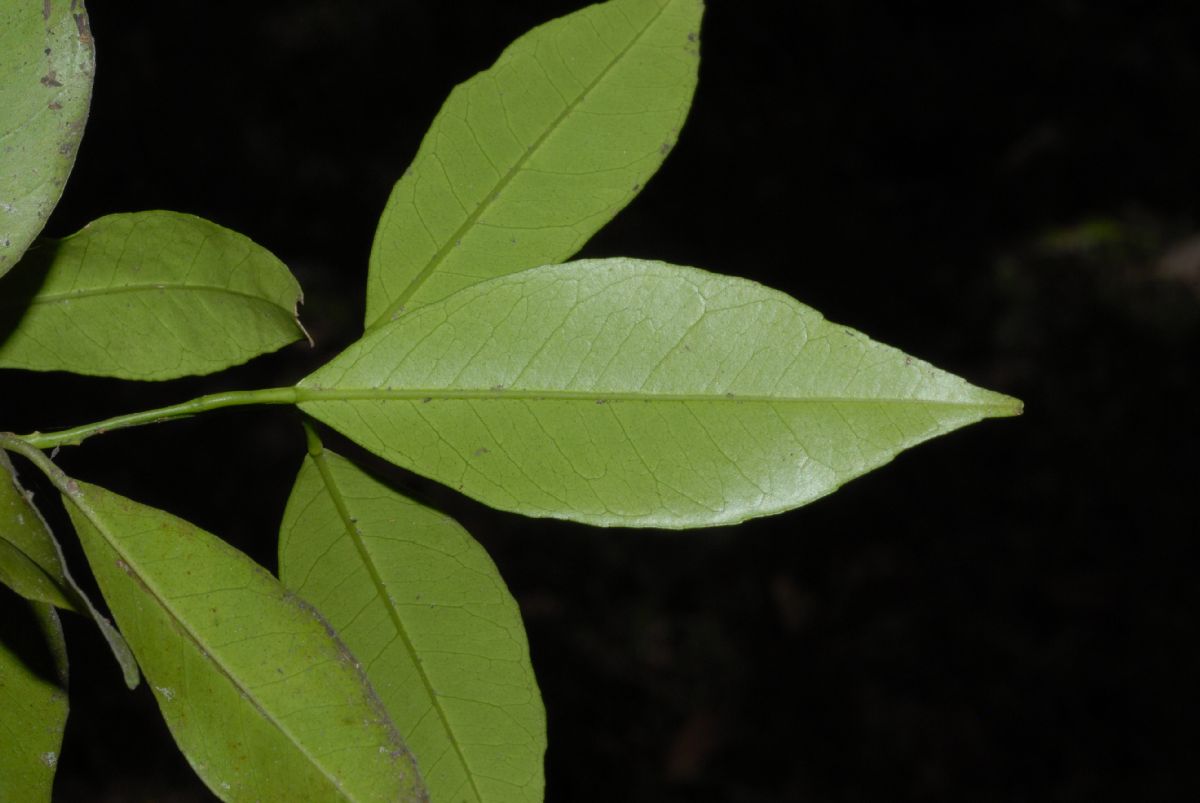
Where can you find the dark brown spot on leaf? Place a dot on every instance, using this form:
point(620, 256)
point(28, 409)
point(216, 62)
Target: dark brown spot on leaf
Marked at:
point(81, 23)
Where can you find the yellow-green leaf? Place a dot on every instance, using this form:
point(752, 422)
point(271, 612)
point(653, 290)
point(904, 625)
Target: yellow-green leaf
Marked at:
point(625, 392)
point(263, 699)
point(528, 159)
point(148, 295)
point(425, 610)
point(33, 698)
point(47, 60)
point(30, 563)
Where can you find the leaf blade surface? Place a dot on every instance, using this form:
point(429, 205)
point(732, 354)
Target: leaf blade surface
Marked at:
point(528, 159)
point(634, 393)
point(424, 608)
point(263, 700)
point(150, 296)
point(30, 563)
point(33, 698)
point(47, 62)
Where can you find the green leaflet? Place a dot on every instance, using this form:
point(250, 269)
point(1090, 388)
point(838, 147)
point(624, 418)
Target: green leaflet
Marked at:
point(29, 558)
point(261, 697)
point(441, 639)
point(33, 698)
point(528, 159)
point(31, 564)
point(47, 59)
point(149, 295)
point(624, 392)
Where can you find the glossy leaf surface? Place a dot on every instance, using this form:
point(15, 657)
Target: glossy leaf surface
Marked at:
point(33, 698)
point(623, 392)
point(29, 558)
point(529, 158)
point(47, 60)
point(425, 610)
point(149, 295)
point(261, 697)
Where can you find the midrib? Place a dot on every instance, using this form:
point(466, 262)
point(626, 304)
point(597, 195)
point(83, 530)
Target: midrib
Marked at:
point(472, 218)
point(317, 394)
point(85, 294)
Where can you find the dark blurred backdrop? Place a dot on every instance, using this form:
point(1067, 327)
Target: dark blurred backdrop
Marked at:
point(1009, 190)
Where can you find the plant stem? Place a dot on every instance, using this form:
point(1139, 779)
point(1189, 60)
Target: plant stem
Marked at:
point(214, 401)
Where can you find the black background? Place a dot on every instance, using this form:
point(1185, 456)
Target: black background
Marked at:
point(1006, 614)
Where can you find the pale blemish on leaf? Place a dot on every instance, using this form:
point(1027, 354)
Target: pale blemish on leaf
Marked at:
point(40, 49)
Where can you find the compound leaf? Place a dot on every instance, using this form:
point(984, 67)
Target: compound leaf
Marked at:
point(528, 159)
point(263, 699)
point(424, 608)
point(634, 393)
point(33, 698)
point(47, 60)
point(148, 295)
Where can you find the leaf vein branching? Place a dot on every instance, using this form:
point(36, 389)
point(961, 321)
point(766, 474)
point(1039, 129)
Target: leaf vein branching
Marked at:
point(79, 499)
point(449, 243)
point(317, 454)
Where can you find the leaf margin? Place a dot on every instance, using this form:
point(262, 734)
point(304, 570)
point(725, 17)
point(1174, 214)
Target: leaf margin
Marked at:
point(331, 473)
point(396, 237)
point(320, 393)
point(137, 268)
